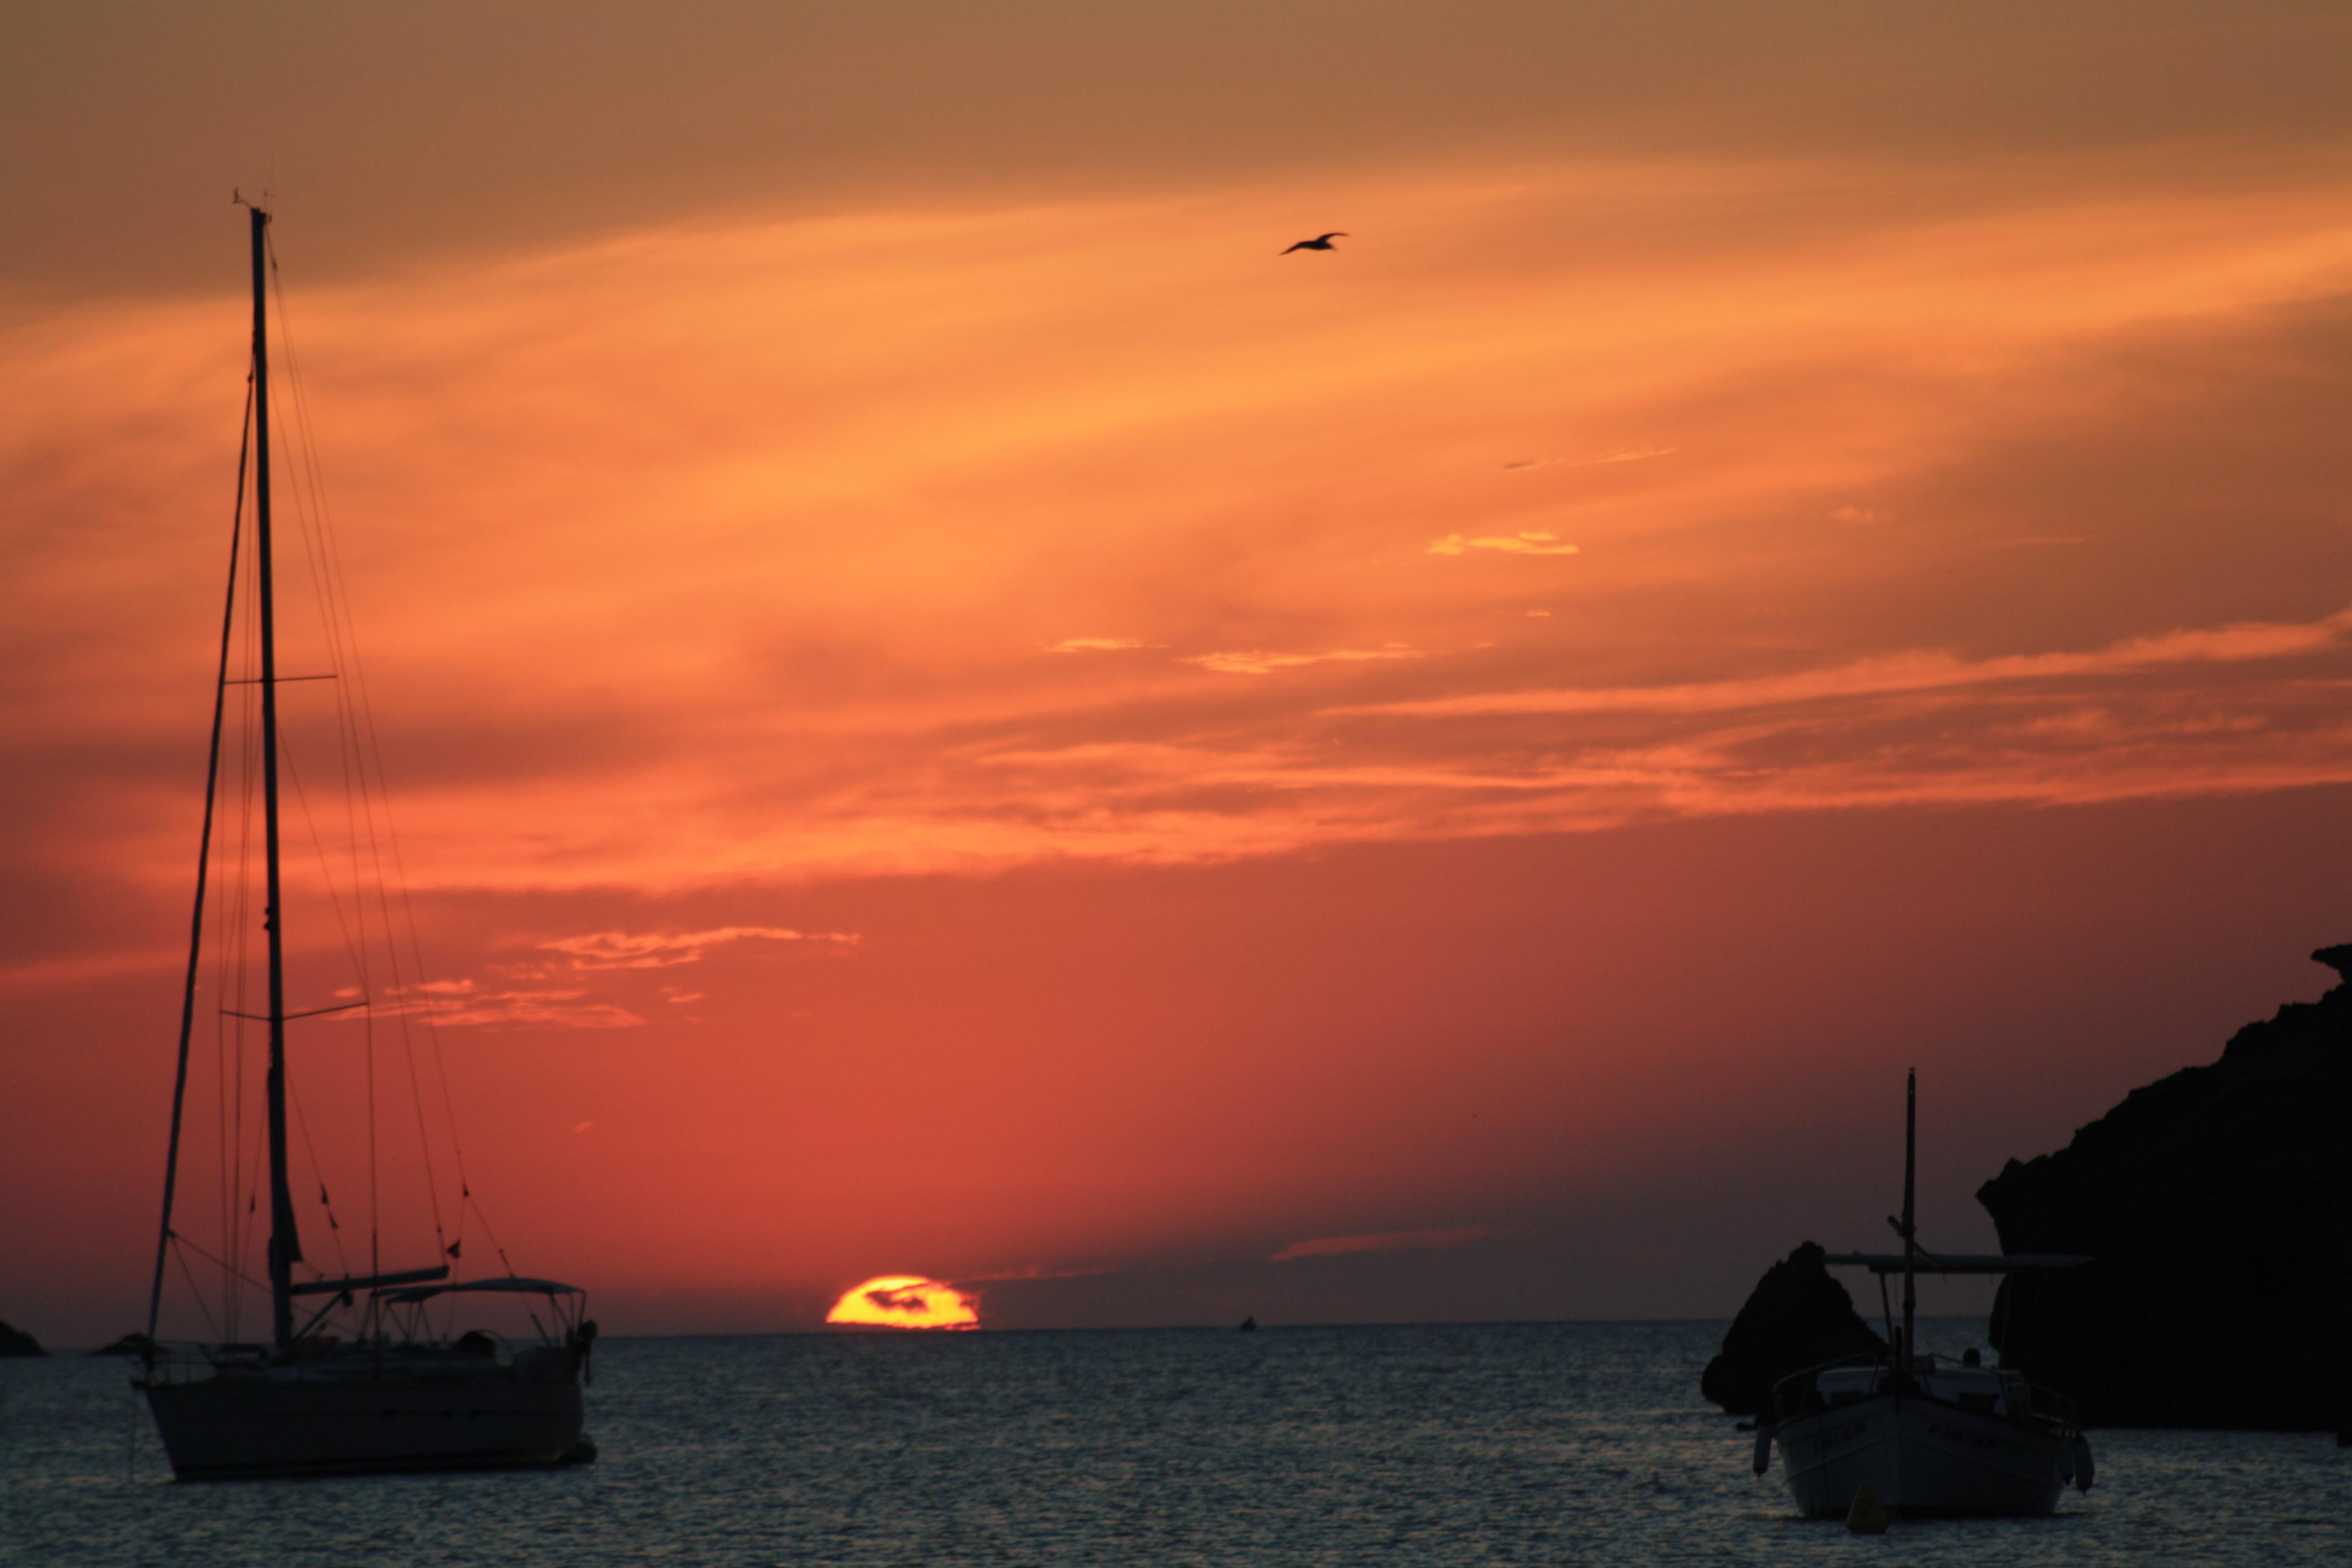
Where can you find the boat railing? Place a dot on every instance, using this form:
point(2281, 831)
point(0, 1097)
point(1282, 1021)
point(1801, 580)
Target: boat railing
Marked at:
point(2020, 1399)
point(2040, 1405)
point(395, 1335)
point(329, 1359)
point(169, 1361)
point(1800, 1393)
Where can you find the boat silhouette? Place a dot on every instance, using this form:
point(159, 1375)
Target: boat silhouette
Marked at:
point(353, 1378)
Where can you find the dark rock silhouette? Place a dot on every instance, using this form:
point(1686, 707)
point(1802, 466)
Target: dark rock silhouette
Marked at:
point(17, 1342)
point(133, 1344)
point(1797, 1316)
point(1249, 1325)
point(2213, 1205)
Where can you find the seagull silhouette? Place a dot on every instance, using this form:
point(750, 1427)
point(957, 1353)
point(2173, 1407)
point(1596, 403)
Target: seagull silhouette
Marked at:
point(1321, 242)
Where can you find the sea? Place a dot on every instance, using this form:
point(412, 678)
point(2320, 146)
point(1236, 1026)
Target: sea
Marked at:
point(1519, 1443)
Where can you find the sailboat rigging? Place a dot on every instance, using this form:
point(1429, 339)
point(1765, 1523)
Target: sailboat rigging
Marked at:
point(386, 1393)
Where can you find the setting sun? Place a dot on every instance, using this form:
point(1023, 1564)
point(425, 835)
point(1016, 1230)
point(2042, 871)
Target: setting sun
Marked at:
point(905, 1301)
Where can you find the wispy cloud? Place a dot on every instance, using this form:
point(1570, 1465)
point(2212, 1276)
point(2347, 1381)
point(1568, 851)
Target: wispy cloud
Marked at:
point(657, 950)
point(1631, 455)
point(1257, 662)
point(1380, 1241)
point(1915, 671)
point(1029, 1271)
point(1527, 542)
point(461, 1008)
point(1296, 485)
point(1098, 644)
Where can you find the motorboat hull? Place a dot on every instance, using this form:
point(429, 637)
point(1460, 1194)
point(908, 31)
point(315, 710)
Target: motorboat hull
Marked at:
point(1923, 1455)
point(280, 1424)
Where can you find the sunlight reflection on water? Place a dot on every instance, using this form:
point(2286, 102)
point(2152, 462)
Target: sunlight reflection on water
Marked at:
point(1526, 1443)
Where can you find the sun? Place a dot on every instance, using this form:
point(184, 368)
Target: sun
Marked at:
point(905, 1301)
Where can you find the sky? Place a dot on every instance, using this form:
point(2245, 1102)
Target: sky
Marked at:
point(951, 712)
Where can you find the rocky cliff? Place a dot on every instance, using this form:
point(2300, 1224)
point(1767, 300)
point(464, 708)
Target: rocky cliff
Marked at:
point(2214, 1203)
point(17, 1342)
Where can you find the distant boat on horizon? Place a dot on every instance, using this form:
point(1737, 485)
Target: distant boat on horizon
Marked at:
point(380, 1392)
point(1923, 1435)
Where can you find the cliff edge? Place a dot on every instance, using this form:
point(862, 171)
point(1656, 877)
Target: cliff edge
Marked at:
point(2213, 1203)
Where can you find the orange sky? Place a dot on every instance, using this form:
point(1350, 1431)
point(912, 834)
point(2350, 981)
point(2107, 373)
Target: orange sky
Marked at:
point(951, 712)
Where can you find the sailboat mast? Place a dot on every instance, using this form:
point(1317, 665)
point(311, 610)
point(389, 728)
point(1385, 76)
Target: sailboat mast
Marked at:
point(285, 1244)
point(1910, 1220)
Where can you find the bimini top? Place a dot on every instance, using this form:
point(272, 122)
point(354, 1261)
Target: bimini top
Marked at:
point(524, 1287)
point(1958, 1262)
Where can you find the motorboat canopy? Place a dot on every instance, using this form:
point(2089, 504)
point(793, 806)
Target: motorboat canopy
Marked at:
point(1957, 1262)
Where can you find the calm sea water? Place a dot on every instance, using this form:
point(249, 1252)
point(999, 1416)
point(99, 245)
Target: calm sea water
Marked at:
point(1577, 1443)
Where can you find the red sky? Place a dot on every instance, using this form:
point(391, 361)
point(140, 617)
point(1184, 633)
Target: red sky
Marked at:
point(951, 712)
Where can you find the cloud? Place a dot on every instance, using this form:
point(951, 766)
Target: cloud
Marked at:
point(1972, 342)
point(1380, 1241)
point(1033, 1271)
point(1098, 644)
point(1527, 542)
point(1256, 661)
point(655, 949)
point(551, 1009)
point(1859, 514)
point(1631, 455)
point(1917, 670)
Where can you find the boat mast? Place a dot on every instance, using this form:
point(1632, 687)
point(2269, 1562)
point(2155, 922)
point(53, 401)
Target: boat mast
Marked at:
point(1910, 1225)
point(285, 1244)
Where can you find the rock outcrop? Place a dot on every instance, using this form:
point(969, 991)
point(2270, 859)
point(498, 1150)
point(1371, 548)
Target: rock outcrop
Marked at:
point(17, 1342)
point(133, 1344)
point(2214, 1205)
point(1797, 1316)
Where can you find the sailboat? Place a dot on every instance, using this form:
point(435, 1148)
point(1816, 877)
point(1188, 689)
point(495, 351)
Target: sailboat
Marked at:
point(353, 1378)
point(1922, 1435)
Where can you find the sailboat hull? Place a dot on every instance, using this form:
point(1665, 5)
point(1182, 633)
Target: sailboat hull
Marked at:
point(228, 1426)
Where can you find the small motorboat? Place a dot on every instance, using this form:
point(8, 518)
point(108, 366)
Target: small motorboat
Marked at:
point(1926, 1436)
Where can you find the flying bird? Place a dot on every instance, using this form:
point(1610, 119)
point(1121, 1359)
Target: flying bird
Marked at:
point(1321, 242)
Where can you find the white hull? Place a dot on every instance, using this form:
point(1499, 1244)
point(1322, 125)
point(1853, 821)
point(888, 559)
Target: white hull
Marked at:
point(354, 1419)
point(1923, 1455)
